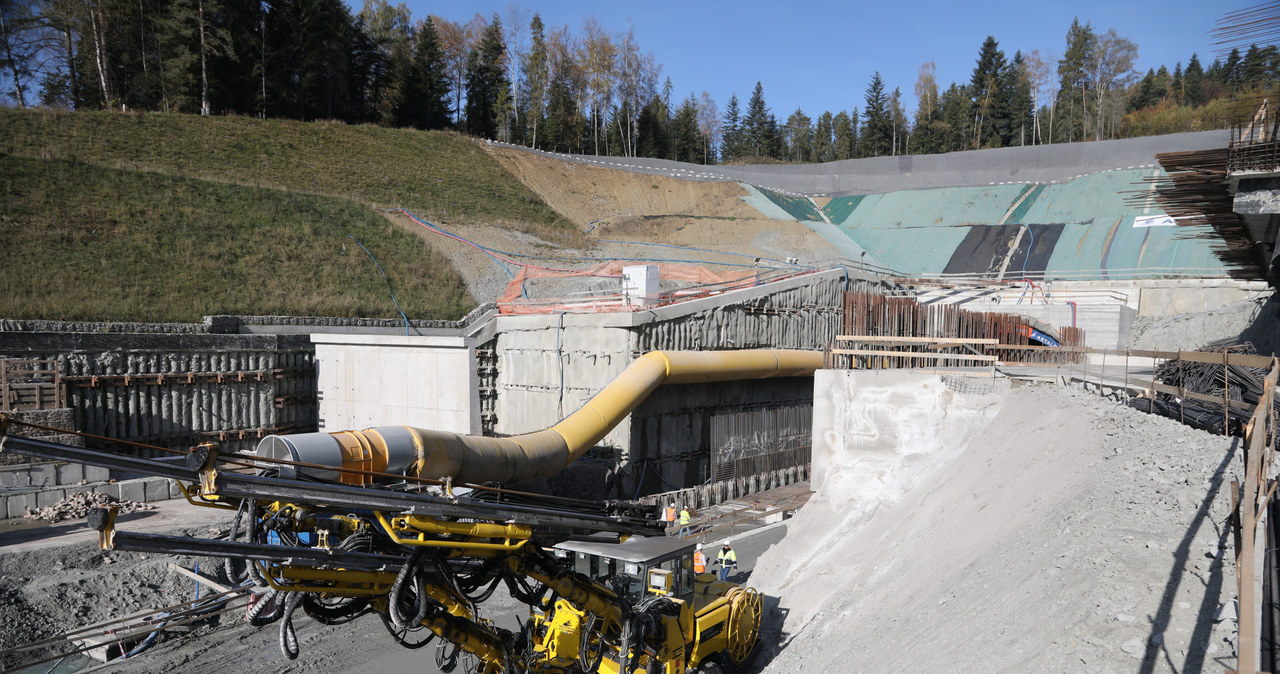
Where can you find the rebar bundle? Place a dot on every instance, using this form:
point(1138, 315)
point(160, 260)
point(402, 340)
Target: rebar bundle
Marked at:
point(1194, 190)
point(1231, 382)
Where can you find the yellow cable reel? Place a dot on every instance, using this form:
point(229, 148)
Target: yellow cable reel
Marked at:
point(744, 622)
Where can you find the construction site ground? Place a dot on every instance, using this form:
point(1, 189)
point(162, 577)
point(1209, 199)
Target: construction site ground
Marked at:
point(1067, 533)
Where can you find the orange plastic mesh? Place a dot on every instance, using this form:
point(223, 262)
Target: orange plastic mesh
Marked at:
point(703, 280)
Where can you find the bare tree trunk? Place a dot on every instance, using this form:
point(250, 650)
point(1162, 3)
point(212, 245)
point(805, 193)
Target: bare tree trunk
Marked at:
point(142, 37)
point(1052, 108)
point(71, 65)
point(204, 68)
point(262, 29)
point(5, 28)
point(100, 59)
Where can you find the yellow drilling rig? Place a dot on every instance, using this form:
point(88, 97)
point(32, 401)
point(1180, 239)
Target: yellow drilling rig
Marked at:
point(408, 524)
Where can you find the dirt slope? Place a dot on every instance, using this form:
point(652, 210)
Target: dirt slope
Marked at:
point(630, 217)
point(1068, 534)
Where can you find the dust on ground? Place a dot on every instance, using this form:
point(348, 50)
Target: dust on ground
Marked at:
point(1070, 534)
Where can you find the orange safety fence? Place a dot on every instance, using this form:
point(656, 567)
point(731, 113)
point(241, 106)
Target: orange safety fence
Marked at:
point(703, 282)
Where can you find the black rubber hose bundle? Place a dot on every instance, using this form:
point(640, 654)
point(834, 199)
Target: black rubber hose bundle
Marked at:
point(289, 638)
point(269, 598)
point(408, 575)
point(588, 663)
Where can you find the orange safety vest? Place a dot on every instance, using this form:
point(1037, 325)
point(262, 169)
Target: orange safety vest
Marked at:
point(699, 562)
point(671, 514)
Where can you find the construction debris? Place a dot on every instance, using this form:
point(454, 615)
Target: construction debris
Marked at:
point(77, 506)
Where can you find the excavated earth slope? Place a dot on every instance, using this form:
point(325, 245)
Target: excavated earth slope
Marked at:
point(1064, 533)
point(627, 216)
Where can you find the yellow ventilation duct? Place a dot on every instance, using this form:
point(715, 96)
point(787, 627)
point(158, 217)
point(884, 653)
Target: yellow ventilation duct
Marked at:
point(521, 458)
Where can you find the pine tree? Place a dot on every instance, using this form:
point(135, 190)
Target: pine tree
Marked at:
point(1021, 105)
point(1145, 93)
point(845, 128)
point(755, 125)
point(654, 134)
point(991, 92)
point(487, 84)
point(1193, 82)
point(686, 139)
point(799, 137)
point(1073, 83)
point(953, 111)
point(731, 131)
point(1254, 68)
point(426, 100)
point(824, 148)
point(877, 130)
point(1233, 71)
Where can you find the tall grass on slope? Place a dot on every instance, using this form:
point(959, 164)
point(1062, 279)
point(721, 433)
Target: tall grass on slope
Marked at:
point(89, 243)
point(442, 175)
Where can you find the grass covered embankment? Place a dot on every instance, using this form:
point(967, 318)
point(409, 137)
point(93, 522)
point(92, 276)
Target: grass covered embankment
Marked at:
point(438, 174)
point(92, 243)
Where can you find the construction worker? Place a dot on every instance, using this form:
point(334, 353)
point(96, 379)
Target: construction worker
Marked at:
point(684, 521)
point(727, 558)
point(670, 514)
point(699, 560)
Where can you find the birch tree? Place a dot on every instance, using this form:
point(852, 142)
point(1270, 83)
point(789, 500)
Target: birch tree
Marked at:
point(1110, 69)
point(536, 76)
point(708, 125)
point(598, 52)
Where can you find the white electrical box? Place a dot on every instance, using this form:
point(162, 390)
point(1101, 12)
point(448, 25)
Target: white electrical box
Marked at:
point(640, 284)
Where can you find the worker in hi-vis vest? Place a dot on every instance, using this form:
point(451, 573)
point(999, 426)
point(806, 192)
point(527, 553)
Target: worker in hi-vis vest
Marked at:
point(727, 558)
point(670, 513)
point(684, 521)
point(699, 560)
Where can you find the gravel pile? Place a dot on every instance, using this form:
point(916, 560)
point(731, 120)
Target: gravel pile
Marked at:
point(77, 506)
point(1070, 534)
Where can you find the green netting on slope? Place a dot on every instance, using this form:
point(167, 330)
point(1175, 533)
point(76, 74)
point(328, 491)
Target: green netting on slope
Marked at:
point(947, 207)
point(1116, 245)
point(1101, 196)
point(1032, 194)
point(799, 208)
point(1097, 218)
point(840, 208)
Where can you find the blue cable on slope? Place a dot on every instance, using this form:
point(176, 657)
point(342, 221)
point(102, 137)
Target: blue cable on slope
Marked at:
point(384, 278)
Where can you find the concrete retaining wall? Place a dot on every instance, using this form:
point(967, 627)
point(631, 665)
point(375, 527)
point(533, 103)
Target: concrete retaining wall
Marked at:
point(175, 390)
point(549, 365)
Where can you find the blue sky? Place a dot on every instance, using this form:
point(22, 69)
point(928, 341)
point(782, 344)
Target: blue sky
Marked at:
point(820, 55)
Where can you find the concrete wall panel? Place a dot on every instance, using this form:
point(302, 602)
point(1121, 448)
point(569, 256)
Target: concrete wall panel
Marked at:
point(383, 380)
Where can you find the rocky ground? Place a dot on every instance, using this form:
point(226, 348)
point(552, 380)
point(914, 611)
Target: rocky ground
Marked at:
point(1070, 534)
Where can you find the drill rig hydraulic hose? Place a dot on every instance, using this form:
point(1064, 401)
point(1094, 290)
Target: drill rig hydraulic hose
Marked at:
point(521, 458)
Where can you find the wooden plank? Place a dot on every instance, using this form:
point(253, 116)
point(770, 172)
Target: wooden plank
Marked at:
point(1029, 347)
point(917, 340)
point(912, 354)
point(199, 578)
point(1191, 395)
point(1255, 440)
